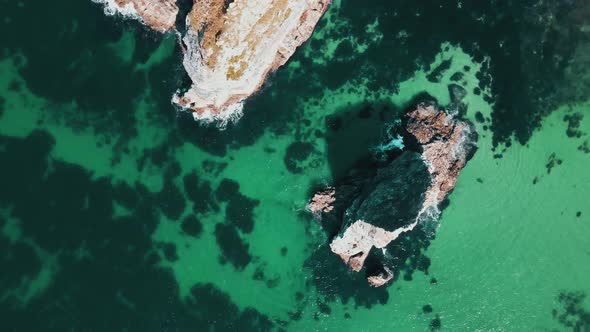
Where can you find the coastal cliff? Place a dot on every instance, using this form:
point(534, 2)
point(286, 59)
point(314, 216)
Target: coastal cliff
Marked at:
point(229, 47)
point(372, 211)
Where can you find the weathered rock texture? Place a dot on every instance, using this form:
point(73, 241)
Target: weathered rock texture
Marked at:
point(229, 47)
point(446, 145)
point(381, 278)
point(239, 46)
point(322, 201)
point(374, 212)
point(160, 15)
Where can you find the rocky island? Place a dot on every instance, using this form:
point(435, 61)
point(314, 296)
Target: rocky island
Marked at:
point(368, 211)
point(229, 47)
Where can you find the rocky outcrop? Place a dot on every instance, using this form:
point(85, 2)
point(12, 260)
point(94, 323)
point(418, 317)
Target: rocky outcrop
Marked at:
point(229, 47)
point(446, 146)
point(160, 15)
point(380, 278)
point(322, 201)
point(240, 45)
point(403, 192)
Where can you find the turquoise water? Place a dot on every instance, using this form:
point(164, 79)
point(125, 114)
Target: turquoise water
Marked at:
point(120, 213)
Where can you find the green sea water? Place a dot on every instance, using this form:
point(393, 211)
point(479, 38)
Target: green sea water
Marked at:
point(120, 213)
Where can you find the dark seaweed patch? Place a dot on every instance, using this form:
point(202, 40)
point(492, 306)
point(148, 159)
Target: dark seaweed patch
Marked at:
point(213, 167)
point(324, 308)
point(158, 156)
point(299, 296)
point(84, 68)
point(200, 193)
point(191, 226)
point(584, 147)
point(436, 323)
point(516, 45)
point(227, 189)
point(261, 276)
point(366, 112)
point(572, 314)
point(456, 77)
point(552, 162)
point(215, 310)
point(333, 122)
point(297, 315)
point(436, 74)
point(169, 250)
point(23, 262)
point(240, 212)
point(579, 214)
point(233, 248)
point(2, 105)
point(479, 117)
point(269, 150)
point(344, 50)
point(573, 124)
point(65, 211)
point(297, 153)
point(258, 273)
point(171, 201)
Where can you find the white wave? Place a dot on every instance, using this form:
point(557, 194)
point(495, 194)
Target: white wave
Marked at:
point(229, 114)
point(112, 8)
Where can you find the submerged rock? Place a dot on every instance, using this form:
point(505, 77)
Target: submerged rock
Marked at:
point(373, 209)
point(229, 47)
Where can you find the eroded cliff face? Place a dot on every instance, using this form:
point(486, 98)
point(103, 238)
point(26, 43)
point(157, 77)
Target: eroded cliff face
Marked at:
point(229, 47)
point(401, 194)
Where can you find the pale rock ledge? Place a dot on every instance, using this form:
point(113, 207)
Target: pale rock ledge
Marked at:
point(230, 51)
